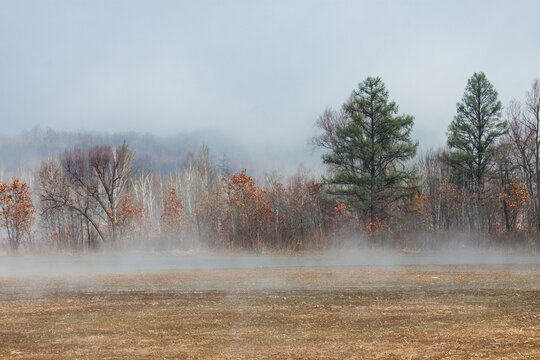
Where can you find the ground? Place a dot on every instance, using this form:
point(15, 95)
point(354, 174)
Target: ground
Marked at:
point(408, 312)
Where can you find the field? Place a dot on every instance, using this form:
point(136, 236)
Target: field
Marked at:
point(375, 312)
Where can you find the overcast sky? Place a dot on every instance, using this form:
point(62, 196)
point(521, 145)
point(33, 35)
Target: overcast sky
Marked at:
point(260, 71)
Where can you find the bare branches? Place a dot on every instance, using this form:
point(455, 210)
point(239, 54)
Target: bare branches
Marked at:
point(328, 123)
point(89, 184)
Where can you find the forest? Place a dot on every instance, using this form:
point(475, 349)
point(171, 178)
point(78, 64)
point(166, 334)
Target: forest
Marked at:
point(481, 189)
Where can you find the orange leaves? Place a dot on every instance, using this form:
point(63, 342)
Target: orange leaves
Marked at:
point(418, 202)
point(344, 222)
point(250, 216)
point(375, 227)
point(340, 221)
point(16, 211)
point(340, 214)
point(249, 210)
point(451, 194)
point(515, 198)
point(247, 196)
point(171, 217)
point(129, 217)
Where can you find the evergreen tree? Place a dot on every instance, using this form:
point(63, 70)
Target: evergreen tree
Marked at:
point(369, 149)
point(473, 133)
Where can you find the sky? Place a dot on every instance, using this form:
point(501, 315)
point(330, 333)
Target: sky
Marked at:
point(258, 72)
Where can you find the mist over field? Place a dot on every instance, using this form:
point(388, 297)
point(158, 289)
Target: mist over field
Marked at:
point(173, 261)
point(279, 179)
point(245, 306)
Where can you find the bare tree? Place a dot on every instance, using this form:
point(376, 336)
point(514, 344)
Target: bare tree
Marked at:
point(89, 183)
point(67, 214)
point(532, 123)
point(328, 123)
point(525, 138)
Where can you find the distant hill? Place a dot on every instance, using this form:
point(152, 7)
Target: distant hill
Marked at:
point(23, 153)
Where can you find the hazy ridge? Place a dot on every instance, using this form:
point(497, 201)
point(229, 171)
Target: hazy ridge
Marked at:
point(23, 153)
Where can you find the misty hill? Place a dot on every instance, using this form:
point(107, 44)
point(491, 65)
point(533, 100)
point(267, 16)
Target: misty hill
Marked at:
point(24, 152)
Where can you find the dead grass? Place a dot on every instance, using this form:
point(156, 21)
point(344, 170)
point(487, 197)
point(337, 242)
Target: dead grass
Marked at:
point(329, 313)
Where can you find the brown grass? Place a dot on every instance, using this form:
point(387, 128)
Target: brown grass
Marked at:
point(341, 313)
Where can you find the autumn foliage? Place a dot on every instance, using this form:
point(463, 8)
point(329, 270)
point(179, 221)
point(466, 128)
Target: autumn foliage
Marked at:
point(515, 198)
point(171, 217)
point(16, 211)
point(130, 218)
point(248, 213)
point(94, 197)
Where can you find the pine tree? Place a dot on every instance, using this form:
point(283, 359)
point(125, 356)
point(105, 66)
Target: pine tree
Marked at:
point(369, 151)
point(473, 133)
point(478, 123)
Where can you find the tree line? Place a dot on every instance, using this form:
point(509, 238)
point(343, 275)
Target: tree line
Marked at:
point(484, 185)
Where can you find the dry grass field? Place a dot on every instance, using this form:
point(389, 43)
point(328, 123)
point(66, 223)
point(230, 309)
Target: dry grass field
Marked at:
point(410, 312)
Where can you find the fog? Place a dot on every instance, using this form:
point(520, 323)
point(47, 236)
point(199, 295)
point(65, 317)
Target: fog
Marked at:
point(248, 79)
point(161, 193)
point(21, 154)
point(177, 261)
point(257, 72)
